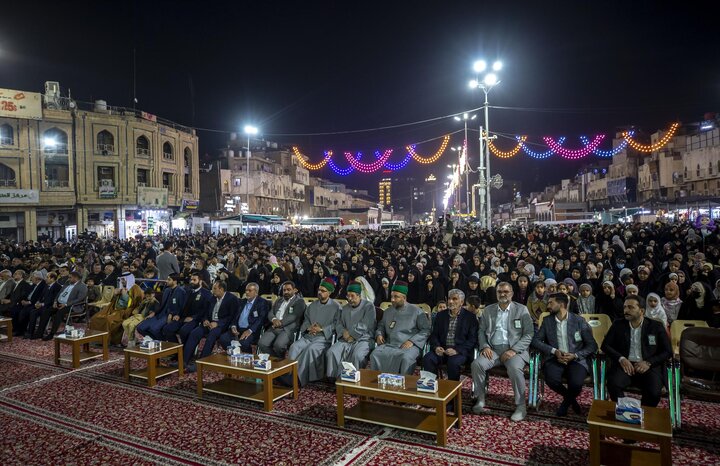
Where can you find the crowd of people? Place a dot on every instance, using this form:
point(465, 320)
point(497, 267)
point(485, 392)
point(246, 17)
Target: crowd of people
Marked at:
point(486, 291)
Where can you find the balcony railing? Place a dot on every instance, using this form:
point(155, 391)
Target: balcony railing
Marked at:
point(8, 183)
point(142, 152)
point(142, 183)
point(106, 148)
point(188, 189)
point(57, 183)
point(57, 149)
point(168, 156)
point(5, 141)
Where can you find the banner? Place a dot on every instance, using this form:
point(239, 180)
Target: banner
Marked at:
point(190, 205)
point(152, 197)
point(107, 189)
point(19, 104)
point(19, 196)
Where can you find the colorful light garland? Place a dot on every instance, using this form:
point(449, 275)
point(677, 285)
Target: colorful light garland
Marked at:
point(506, 154)
point(302, 159)
point(654, 146)
point(369, 167)
point(576, 153)
point(538, 155)
point(433, 158)
point(607, 153)
point(395, 166)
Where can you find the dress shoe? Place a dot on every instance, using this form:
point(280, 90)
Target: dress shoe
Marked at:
point(519, 414)
point(190, 368)
point(480, 408)
point(563, 409)
point(47, 337)
point(576, 407)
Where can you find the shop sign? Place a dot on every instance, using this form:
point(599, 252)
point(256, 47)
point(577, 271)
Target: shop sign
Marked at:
point(156, 198)
point(190, 205)
point(20, 104)
point(19, 196)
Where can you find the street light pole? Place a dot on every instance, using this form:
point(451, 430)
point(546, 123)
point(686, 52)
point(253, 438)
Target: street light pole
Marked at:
point(487, 162)
point(250, 131)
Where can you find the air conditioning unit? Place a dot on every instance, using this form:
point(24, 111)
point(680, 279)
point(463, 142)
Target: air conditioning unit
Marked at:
point(52, 94)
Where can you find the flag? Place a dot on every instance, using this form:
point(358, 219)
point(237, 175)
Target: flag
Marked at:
point(552, 204)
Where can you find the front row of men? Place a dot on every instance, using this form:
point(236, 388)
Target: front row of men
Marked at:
point(636, 347)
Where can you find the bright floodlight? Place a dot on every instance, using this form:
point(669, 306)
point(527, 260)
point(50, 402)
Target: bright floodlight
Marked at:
point(465, 116)
point(479, 66)
point(491, 79)
point(497, 66)
point(473, 117)
point(49, 142)
point(250, 129)
point(473, 83)
point(458, 118)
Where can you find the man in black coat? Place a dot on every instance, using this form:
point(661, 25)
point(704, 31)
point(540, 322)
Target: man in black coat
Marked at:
point(27, 304)
point(43, 306)
point(248, 320)
point(19, 291)
point(637, 348)
point(453, 337)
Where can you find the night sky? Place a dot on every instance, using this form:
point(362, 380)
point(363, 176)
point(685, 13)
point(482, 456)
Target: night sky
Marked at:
point(570, 68)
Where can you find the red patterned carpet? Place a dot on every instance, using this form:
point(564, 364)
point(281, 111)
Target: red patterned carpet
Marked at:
point(53, 415)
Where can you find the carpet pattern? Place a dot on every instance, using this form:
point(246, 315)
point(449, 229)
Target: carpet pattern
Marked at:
point(92, 416)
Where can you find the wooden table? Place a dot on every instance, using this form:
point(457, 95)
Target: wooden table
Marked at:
point(153, 371)
point(436, 422)
point(266, 392)
point(7, 323)
point(656, 428)
point(81, 347)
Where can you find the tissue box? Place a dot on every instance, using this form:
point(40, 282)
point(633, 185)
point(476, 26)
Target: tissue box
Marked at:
point(263, 365)
point(391, 381)
point(150, 345)
point(74, 333)
point(350, 375)
point(629, 414)
point(427, 385)
point(242, 360)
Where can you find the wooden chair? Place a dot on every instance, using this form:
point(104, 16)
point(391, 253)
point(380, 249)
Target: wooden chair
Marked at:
point(269, 297)
point(309, 300)
point(341, 302)
point(542, 317)
point(599, 324)
point(425, 308)
point(677, 328)
point(385, 304)
point(107, 295)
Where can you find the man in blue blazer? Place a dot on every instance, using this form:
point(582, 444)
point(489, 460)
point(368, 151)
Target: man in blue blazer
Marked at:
point(248, 320)
point(453, 337)
point(172, 303)
point(566, 340)
point(216, 321)
point(199, 301)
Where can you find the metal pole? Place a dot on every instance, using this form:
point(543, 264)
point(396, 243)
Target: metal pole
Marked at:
point(467, 172)
point(487, 162)
point(481, 174)
point(247, 185)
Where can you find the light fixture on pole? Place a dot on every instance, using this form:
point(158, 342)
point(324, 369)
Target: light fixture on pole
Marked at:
point(488, 81)
point(250, 131)
point(465, 158)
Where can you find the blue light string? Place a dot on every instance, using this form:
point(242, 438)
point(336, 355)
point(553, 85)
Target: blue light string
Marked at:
point(343, 171)
point(395, 166)
point(539, 155)
point(611, 152)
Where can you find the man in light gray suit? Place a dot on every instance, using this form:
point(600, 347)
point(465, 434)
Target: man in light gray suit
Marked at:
point(285, 316)
point(506, 330)
point(566, 340)
point(74, 293)
point(167, 262)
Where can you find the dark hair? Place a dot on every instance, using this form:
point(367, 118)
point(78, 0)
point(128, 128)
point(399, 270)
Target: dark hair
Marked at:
point(634, 298)
point(474, 301)
point(538, 283)
point(288, 282)
point(221, 284)
point(561, 298)
point(175, 277)
point(76, 274)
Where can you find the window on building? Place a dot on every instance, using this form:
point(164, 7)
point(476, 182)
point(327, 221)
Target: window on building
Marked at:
point(106, 182)
point(187, 183)
point(698, 170)
point(167, 180)
point(105, 142)
point(7, 176)
point(55, 142)
point(6, 135)
point(710, 168)
point(143, 177)
point(187, 157)
point(142, 146)
point(168, 153)
point(237, 182)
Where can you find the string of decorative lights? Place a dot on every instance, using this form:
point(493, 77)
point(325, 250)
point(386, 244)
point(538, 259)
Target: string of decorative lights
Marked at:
point(538, 155)
point(607, 153)
point(654, 146)
point(509, 153)
point(368, 167)
point(433, 158)
point(303, 160)
point(573, 154)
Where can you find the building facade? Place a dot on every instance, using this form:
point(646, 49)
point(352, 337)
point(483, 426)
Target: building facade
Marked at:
point(70, 167)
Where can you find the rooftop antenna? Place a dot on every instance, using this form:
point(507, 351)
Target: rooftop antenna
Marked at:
point(135, 101)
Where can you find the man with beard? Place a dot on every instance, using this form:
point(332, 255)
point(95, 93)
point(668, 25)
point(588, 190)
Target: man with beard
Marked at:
point(401, 334)
point(316, 333)
point(566, 340)
point(285, 317)
point(638, 348)
point(506, 330)
point(185, 320)
point(355, 329)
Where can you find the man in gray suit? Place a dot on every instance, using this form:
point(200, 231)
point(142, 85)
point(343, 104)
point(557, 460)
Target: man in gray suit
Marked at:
point(506, 330)
point(285, 317)
point(74, 293)
point(167, 262)
point(566, 340)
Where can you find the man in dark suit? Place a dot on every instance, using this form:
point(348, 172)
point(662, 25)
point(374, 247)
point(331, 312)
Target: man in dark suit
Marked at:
point(71, 297)
point(183, 321)
point(172, 302)
point(19, 291)
point(285, 316)
point(453, 337)
point(27, 305)
point(213, 325)
point(248, 320)
point(44, 306)
point(637, 347)
point(566, 340)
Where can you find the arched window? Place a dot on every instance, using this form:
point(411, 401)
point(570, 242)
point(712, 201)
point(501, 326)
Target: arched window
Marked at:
point(105, 142)
point(168, 153)
point(6, 135)
point(710, 168)
point(187, 161)
point(142, 146)
point(698, 170)
point(187, 157)
point(55, 142)
point(7, 176)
